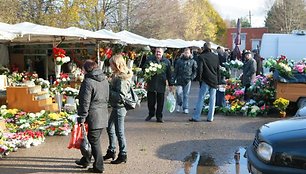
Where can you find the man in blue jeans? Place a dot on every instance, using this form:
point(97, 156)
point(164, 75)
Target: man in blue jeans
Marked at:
point(208, 69)
point(185, 71)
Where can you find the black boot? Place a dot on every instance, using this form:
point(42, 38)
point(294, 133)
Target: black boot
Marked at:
point(120, 159)
point(109, 154)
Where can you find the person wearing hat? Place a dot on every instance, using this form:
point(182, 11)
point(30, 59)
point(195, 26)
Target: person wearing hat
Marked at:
point(249, 73)
point(208, 70)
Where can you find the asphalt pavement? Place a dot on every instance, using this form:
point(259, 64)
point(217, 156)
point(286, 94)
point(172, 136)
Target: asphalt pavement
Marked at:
point(174, 147)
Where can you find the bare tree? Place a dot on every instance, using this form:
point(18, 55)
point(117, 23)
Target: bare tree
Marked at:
point(286, 15)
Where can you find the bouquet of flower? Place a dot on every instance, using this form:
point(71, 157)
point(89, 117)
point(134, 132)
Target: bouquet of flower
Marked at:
point(154, 69)
point(281, 104)
point(59, 56)
point(70, 92)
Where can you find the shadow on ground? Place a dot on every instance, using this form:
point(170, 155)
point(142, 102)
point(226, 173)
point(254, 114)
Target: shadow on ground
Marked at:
point(39, 165)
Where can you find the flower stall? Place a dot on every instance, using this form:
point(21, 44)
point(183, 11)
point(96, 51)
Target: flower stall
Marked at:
point(290, 78)
point(26, 129)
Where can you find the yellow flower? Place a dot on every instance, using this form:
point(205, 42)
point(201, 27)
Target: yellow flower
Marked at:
point(54, 116)
point(12, 111)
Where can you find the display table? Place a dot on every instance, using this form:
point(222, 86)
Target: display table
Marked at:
point(29, 99)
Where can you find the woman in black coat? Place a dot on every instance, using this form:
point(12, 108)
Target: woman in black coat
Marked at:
point(93, 109)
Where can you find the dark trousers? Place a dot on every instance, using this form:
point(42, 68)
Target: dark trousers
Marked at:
point(94, 137)
point(153, 98)
point(246, 95)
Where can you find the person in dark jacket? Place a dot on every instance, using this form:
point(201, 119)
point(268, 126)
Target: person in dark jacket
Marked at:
point(249, 73)
point(185, 71)
point(119, 88)
point(156, 86)
point(93, 109)
point(208, 69)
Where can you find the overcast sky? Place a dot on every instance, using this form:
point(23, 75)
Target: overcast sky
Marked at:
point(233, 9)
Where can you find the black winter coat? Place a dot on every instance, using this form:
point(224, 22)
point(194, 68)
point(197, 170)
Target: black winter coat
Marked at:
point(185, 70)
point(158, 82)
point(93, 100)
point(208, 69)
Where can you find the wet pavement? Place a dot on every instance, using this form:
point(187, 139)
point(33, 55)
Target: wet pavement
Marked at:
point(174, 147)
point(203, 163)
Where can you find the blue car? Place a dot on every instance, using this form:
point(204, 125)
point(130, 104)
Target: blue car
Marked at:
point(279, 148)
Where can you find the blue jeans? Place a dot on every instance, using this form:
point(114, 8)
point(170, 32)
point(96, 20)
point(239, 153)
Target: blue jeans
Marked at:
point(182, 95)
point(212, 102)
point(115, 130)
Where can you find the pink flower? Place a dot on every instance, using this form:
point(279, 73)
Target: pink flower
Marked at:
point(299, 68)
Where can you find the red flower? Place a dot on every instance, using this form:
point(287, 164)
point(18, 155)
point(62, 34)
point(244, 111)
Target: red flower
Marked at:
point(58, 52)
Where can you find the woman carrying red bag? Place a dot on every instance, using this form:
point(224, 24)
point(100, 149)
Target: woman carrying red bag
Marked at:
point(93, 110)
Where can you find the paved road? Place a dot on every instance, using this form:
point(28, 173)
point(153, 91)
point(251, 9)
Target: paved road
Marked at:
point(152, 147)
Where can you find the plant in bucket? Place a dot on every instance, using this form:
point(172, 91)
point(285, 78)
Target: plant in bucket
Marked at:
point(71, 93)
point(281, 104)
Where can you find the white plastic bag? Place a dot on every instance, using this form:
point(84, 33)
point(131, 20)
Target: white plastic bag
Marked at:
point(171, 102)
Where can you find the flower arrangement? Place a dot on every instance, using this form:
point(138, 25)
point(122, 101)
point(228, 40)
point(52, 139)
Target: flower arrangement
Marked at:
point(59, 83)
point(284, 69)
point(281, 64)
point(60, 57)
point(132, 55)
point(16, 77)
point(154, 69)
point(234, 64)
point(224, 72)
point(300, 67)
point(105, 53)
point(70, 92)
point(281, 104)
point(42, 82)
point(263, 89)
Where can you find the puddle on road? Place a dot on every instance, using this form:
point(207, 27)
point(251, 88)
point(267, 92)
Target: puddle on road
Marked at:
point(203, 163)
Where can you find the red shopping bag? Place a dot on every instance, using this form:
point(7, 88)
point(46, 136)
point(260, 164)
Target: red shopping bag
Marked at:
point(76, 137)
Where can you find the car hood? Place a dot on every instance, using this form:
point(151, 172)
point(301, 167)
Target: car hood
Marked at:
point(283, 126)
point(284, 131)
point(288, 139)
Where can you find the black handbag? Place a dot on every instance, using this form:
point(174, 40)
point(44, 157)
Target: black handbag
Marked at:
point(131, 100)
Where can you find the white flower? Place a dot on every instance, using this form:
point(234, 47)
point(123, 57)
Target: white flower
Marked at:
point(64, 79)
point(32, 115)
point(58, 59)
point(151, 64)
point(154, 69)
point(3, 107)
point(159, 66)
point(146, 70)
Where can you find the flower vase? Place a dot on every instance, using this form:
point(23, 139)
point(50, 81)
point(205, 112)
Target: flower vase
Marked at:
point(57, 71)
point(45, 89)
point(282, 114)
point(70, 100)
point(101, 64)
point(59, 100)
point(130, 63)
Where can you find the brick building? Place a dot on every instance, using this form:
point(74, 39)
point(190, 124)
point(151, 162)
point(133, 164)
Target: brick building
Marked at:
point(250, 37)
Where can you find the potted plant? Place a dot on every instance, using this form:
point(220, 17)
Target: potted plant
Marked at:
point(281, 104)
